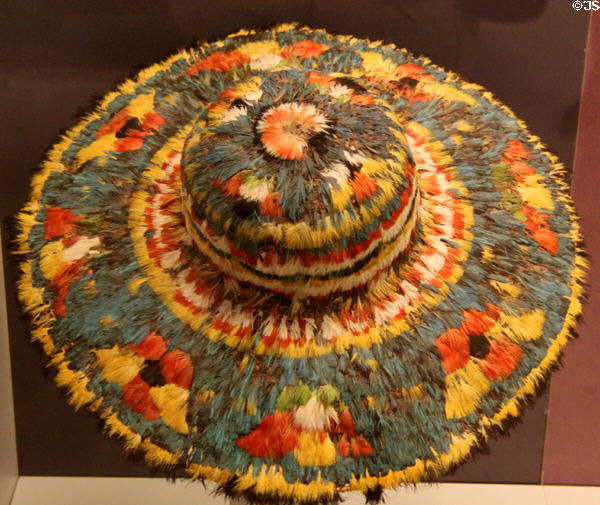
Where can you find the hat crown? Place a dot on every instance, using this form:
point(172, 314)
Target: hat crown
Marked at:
point(297, 175)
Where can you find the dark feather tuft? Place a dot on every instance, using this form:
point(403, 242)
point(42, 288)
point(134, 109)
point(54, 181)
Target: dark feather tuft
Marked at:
point(375, 495)
point(350, 83)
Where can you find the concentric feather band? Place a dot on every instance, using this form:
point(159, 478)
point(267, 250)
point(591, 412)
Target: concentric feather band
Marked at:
point(297, 264)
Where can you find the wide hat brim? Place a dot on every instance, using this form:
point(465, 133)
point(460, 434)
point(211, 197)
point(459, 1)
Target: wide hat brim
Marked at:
point(409, 378)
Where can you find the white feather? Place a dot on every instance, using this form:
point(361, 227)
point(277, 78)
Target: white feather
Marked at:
point(355, 158)
point(313, 416)
point(338, 90)
point(169, 259)
point(201, 301)
point(268, 325)
point(224, 310)
point(233, 113)
point(283, 330)
point(295, 331)
point(254, 192)
point(330, 328)
point(337, 171)
point(254, 95)
point(266, 62)
point(409, 290)
point(80, 248)
point(309, 328)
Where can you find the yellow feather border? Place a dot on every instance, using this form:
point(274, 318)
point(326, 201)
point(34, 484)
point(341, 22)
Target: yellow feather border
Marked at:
point(270, 481)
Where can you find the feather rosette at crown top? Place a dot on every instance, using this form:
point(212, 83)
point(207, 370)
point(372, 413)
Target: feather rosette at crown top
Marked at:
point(297, 264)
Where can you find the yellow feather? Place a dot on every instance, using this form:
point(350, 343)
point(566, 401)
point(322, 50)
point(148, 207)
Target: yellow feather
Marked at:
point(311, 451)
point(135, 284)
point(413, 393)
point(464, 389)
point(141, 105)
point(534, 192)
point(371, 402)
point(257, 49)
point(90, 287)
point(204, 395)
point(243, 364)
point(76, 382)
point(448, 92)
point(52, 259)
point(528, 326)
point(463, 126)
point(373, 167)
point(115, 427)
point(300, 236)
point(487, 254)
point(95, 149)
point(250, 408)
point(372, 364)
point(340, 198)
point(119, 365)
point(172, 401)
point(506, 288)
point(374, 64)
point(216, 113)
point(240, 33)
point(31, 297)
point(284, 27)
point(26, 222)
point(158, 456)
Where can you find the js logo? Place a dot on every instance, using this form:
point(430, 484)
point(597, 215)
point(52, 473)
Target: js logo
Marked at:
point(588, 5)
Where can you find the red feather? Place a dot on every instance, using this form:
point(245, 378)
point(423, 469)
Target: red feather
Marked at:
point(305, 49)
point(136, 395)
point(343, 446)
point(59, 222)
point(363, 186)
point(346, 423)
point(501, 361)
point(274, 437)
point(152, 121)
point(455, 349)
point(152, 347)
point(221, 61)
point(176, 367)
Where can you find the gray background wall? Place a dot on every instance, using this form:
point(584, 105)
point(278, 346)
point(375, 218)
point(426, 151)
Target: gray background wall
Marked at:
point(8, 441)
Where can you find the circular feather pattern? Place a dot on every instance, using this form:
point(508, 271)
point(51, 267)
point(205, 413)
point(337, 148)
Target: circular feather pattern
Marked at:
point(297, 264)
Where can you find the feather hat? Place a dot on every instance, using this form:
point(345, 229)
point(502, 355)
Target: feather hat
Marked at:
point(297, 264)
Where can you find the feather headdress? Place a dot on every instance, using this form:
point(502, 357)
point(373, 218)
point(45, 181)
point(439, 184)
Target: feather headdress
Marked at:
point(297, 264)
